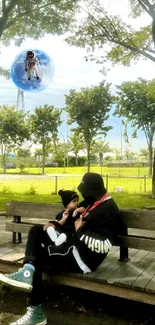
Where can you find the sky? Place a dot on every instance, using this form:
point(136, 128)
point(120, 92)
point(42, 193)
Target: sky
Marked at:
point(73, 72)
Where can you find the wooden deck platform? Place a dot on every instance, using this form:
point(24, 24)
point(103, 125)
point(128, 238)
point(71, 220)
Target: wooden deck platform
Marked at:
point(112, 277)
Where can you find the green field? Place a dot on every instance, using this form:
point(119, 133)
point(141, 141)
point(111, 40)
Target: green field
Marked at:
point(50, 184)
point(133, 171)
point(38, 188)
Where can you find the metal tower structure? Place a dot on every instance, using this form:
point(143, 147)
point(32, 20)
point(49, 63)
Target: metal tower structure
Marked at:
point(20, 100)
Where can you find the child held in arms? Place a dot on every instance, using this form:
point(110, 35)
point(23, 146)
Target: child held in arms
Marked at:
point(60, 229)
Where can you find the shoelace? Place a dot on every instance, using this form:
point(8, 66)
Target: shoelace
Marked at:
point(26, 316)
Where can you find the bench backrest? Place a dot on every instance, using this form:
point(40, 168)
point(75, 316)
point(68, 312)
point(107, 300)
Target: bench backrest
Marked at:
point(132, 218)
point(143, 220)
point(33, 210)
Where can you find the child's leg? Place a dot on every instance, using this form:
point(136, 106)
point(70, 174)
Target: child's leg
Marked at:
point(61, 239)
point(52, 234)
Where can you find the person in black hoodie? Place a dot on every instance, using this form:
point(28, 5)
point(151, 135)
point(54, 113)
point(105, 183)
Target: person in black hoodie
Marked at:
point(96, 231)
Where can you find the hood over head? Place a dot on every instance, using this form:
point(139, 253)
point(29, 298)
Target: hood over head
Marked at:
point(92, 185)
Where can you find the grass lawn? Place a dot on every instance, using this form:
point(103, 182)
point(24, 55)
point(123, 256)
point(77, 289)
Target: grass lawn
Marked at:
point(130, 171)
point(51, 184)
point(124, 200)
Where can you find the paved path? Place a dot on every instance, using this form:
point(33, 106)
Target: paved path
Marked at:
point(15, 176)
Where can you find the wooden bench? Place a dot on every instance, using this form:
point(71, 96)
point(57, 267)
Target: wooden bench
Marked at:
point(131, 278)
point(25, 214)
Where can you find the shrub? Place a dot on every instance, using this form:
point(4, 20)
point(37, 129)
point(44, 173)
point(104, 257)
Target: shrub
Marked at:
point(5, 190)
point(31, 191)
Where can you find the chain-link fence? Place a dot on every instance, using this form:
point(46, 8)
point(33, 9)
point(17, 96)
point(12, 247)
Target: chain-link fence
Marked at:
point(51, 184)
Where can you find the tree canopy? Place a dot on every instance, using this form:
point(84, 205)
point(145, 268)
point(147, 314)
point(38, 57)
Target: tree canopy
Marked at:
point(44, 127)
point(136, 102)
point(118, 41)
point(13, 129)
point(34, 18)
point(89, 108)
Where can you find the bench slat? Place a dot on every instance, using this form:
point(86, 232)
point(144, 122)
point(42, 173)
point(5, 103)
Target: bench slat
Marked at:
point(139, 219)
point(137, 242)
point(33, 210)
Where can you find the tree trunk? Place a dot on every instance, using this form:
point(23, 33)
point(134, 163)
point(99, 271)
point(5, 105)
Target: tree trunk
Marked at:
point(153, 178)
point(43, 160)
point(88, 156)
point(150, 151)
point(101, 162)
point(76, 159)
point(3, 158)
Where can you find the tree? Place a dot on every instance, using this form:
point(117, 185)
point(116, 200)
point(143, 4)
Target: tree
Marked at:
point(100, 148)
point(136, 102)
point(58, 151)
point(143, 153)
point(23, 153)
point(119, 41)
point(89, 108)
point(44, 127)
point(13, 129)
point(76, 144)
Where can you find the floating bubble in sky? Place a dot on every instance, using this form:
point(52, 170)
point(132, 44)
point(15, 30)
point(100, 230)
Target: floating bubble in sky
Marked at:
point(45, 71)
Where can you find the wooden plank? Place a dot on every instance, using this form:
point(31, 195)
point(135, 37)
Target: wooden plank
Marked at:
point(33, 210)
point(141, 219)
point(111, 259)
point(12, 253)
point(5, 250)
point(126, 268)
point(150, 287)
point(143, 243)
point(137, 269)
point(13, 257)
point(112, 273)
point(105, 288)
point(145, 277)
point(18, 227)
point(108, 261)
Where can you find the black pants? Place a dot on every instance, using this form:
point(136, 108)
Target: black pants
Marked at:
point(41, 252)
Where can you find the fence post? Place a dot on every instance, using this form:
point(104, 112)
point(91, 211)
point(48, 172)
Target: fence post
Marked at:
point(56, 184)
point(144, 183)
point(107, 182)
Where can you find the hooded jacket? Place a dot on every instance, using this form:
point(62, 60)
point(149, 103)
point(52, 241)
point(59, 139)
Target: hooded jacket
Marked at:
point(102, 224)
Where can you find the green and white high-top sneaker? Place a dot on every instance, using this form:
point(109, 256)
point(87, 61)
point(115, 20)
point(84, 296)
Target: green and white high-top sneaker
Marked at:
point(22, 279)
point(33, 316)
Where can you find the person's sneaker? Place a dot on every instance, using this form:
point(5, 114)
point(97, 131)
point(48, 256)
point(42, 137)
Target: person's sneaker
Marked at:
point(61, 239)
point(29, 78)
point(33, 316)
point(22, 279)
point(37, 77)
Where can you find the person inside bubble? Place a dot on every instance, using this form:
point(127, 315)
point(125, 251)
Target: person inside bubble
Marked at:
point(31, 64)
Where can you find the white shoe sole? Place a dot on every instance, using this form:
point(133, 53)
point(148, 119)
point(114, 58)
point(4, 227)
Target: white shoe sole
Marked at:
point(42, 323)
point(17, 284)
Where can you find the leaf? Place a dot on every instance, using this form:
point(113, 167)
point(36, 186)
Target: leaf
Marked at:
point(117, 41)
